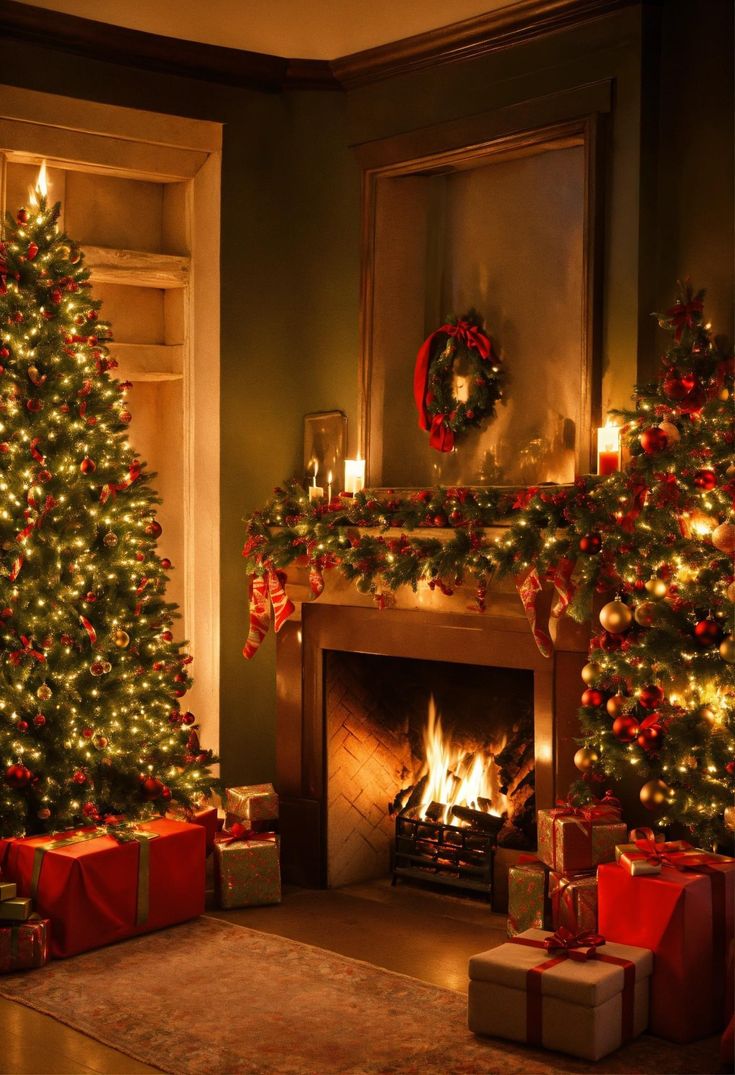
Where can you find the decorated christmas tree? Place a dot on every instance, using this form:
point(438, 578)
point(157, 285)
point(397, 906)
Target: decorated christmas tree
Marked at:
point(92, 718)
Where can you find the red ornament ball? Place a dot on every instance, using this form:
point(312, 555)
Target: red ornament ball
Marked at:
point(90, 597)
point(188, 718)
point(165, 564)
point(590, 543)
point(653, 440)
point(166, 636)
point(17, 776)
point(32, 251)
point(79, 777)
point(22, 726)
point(707, 633)
point(625, 728)
point(651, 696)
point(87, 732)
point(154, 528)
point(22, 216)
point(126, 416)
point(87, 465)
point(455, 518)
point(694, 402)
point(705, 479)
point(650, 738)
point(151, 788)
point(34, 405)
point(592, 697)
point(39, 720)
point(440, 520)
point(166, 793)
point(678, 385)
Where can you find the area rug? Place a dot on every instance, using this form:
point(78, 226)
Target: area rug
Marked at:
point(217, 998)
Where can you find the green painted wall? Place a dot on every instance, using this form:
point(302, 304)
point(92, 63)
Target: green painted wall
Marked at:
point(291, 237)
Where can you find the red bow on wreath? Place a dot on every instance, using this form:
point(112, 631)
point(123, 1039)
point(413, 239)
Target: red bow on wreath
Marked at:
point(441, 437)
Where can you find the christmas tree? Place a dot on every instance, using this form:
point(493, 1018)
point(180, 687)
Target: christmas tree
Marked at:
point(91, 679)
point(661, 682)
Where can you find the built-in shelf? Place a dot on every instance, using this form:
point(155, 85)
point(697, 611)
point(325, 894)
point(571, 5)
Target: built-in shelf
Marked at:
point(136, 267)
point(148, 361)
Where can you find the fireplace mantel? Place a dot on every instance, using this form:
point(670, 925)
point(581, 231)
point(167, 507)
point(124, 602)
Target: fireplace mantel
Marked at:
point(425, 625)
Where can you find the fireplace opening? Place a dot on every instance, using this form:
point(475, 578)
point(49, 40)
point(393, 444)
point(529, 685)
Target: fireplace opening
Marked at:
point(429, 765)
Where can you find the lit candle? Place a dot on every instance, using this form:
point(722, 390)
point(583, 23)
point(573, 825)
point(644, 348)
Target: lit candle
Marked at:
point(316, 492)
point(608, 449)
point(354, 475)
point(329, 485)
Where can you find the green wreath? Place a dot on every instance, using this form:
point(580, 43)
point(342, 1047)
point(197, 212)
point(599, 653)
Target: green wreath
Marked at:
point(440, 412)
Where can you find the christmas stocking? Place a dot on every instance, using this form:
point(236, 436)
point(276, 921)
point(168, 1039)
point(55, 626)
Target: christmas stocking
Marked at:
point(282, 605)
point(528, 591)
point(260, 616)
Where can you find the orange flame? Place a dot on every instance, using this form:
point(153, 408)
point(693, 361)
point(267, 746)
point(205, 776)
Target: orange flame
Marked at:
point(456, 777)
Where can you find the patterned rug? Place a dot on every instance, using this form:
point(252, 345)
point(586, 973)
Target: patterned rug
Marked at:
point(214, 998)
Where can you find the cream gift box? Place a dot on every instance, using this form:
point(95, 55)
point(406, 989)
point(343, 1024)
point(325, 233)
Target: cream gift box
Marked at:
point(586, 1007)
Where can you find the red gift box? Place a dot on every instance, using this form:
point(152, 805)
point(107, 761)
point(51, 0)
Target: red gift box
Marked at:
point(685, 915)
point(206, 817)
point(97, 890)
point(24, 945)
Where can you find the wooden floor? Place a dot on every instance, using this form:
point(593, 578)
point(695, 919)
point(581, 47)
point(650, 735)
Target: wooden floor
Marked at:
point(404, 929)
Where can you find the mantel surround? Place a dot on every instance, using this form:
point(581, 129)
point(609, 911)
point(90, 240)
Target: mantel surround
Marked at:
point(424, 625)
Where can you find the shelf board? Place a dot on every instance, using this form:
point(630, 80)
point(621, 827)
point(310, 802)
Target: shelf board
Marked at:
point(136, 267)
point(148, 361)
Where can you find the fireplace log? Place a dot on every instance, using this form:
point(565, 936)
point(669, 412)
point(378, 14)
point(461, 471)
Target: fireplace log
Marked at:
point(478, 819)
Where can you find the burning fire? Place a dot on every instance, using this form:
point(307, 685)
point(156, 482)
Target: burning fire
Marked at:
point(451, 776)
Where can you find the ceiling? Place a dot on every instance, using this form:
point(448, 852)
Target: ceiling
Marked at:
point(308, 29)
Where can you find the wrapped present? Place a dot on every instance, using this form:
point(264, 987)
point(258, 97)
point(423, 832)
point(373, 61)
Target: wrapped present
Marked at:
point(575, 839)
point(16, 909)
point(97, 889)
point(579, 993)
point(529, 905)
point(25, 945)
point(573, 901)
point(247, 868)
point(204, 816)
point(685, 915)
point(7, 890)
point(253, 802)
point(635, 857)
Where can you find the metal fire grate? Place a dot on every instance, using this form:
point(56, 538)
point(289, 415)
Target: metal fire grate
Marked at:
point(439, 853)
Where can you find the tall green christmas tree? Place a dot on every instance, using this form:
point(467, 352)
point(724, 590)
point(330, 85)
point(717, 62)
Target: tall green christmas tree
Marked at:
point(92, 719)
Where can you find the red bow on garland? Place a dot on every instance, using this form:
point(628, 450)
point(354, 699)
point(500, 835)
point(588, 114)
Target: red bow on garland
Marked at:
point(441, 436)
point(26, 650)
point(683, 315)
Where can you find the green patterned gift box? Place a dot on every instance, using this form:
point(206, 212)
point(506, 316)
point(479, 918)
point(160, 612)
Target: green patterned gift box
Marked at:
point(248, 870)
point(529, 905)
point(573, 901)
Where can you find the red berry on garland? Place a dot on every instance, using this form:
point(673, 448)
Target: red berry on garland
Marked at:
point(592, 697)
point(440, 520)
point(32, 251)
point(677, 385)
point(705, 479)
point(87, 465)
point(17, 776)
point(625, 728)
point(590, 543)
point(151, 788)
point(651, 696)
point(22, 216)
point(708, 632)
point(653, 440)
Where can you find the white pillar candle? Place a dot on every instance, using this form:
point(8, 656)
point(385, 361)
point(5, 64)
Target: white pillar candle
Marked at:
point(354, 475)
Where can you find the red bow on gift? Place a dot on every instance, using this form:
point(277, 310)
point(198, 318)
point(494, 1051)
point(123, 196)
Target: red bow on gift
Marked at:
point(239, 832)
point(580, 946)
point(605, 809)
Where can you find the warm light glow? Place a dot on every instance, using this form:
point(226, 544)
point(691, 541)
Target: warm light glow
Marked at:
point(354, 475)
point(608, 449)
point(42, 181)
point(456, 777)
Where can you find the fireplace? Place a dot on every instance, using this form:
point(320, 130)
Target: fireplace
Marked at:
point(344, 645)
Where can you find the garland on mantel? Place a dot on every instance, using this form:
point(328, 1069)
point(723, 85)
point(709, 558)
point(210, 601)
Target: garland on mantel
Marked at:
point(659, 535)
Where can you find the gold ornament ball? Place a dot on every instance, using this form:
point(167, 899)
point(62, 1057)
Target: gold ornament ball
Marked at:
point(706, 712)
point(585, 758)
point(646, 613)
point(730, 592)
point(723, 538)
point(590, 672)
point(122, 638)
point(657, 587)
point(729, 818)
point(44, 692)
point(615, 705)
point(727, 649)
point(724, 395)
point(655, 794)
point(615, 617)
point(672, 432)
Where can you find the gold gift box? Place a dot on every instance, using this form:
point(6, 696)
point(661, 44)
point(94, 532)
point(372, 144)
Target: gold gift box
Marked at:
point(248, 872)
point(17, 909)
point(252, 802)
point(8, 890)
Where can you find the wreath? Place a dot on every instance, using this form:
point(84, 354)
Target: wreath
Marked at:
point(445, 417)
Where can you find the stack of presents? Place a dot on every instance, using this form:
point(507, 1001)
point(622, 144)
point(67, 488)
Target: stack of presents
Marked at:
point(71, 891)
point(611, 934)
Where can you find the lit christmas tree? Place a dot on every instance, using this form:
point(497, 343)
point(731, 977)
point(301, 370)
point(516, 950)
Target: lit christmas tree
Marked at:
point(91, 679)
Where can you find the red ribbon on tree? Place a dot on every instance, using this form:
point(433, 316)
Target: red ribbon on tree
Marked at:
point(684, 315)
point(112, 488)
point(580, 947)
point(26, 650)
point(89, 629)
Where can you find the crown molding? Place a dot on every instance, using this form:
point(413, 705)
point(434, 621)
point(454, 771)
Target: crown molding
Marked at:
point(522, 21)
